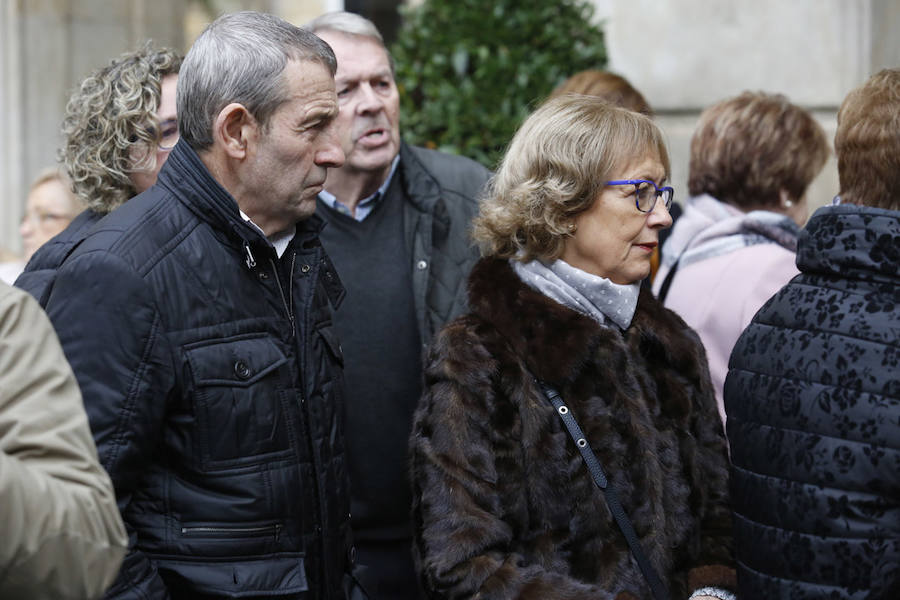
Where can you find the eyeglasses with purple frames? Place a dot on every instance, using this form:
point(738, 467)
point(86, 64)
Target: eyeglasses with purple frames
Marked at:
point(646, 192)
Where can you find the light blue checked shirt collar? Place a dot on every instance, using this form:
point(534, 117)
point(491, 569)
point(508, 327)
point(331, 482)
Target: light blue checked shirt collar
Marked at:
point(366, 205)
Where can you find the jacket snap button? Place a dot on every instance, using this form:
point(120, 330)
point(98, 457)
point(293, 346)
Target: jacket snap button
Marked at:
point(421, 265)
point(304, 268)
point(241, 369)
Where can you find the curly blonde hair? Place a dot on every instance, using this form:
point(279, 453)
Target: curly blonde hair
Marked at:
point(554, 169)
point(113, 109)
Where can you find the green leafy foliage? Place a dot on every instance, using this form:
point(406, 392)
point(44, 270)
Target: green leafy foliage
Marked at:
point(470, 71)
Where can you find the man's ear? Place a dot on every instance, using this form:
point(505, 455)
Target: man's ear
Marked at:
point(234, 128)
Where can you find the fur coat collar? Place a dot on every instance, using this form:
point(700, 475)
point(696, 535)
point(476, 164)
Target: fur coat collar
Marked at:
point(556, 343)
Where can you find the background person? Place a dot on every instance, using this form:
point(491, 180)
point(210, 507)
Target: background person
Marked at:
point(752, 158)
point(813, 394)
point(613, 88)
point(504, 506)
point(398, 223)
point(49, 209)
point(197, 319)
point(119, 129)
point(62, 533)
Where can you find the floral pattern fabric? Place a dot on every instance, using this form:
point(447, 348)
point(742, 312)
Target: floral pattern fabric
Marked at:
point(813, 404)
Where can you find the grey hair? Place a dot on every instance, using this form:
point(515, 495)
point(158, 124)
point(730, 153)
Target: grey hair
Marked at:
point(349, 23)
point(239, 57)
point(345, 22)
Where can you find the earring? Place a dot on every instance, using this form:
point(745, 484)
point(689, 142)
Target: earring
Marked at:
point(788, 203)
point(571, 227)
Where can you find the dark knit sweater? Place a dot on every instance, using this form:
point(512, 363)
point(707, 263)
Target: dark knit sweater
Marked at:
point(381, 345)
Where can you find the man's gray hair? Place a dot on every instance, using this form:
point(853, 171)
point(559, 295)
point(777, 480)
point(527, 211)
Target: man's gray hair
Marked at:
point(239, 57)
point(350, 23)
point(345, 22)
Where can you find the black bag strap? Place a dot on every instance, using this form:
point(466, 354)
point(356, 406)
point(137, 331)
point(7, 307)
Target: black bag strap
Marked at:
point(612, 499)
point(664, 288)
point(667, 281)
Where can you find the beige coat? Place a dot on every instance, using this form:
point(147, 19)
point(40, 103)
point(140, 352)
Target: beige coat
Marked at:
point(62, 536)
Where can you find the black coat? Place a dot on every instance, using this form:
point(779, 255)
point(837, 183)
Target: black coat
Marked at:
point(209, 372)
point(813, 404)
point(504, 507)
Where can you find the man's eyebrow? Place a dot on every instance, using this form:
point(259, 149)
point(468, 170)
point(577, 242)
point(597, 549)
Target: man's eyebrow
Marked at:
point(321, 114)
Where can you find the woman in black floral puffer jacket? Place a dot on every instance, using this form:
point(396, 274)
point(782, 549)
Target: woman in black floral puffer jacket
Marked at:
point(813, 394)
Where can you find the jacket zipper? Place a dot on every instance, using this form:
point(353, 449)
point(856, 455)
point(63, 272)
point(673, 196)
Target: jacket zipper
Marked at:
point(274, 530)
point(287, 302)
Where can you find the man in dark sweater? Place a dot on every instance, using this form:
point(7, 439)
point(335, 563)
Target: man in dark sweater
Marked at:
point(398, 221)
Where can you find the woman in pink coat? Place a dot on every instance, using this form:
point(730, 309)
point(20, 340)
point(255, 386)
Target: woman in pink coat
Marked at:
point(752, 158)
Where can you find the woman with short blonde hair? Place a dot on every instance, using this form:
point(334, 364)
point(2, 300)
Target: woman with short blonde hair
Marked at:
point(504, 505)
point(539, 189)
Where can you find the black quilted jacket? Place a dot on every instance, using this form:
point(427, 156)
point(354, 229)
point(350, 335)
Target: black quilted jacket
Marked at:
point(209, 368)
point(813, 403)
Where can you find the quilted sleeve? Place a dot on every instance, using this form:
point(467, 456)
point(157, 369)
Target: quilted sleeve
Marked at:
point(111, 332)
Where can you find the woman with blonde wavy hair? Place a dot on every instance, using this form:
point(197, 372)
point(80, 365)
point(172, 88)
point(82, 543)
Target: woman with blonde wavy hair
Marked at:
point(508, 504)
point(119, 127)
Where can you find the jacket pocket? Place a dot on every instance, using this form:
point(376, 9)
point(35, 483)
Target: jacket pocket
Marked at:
point(272, 530)
point(332, 344)
point(273, 576)
point(241, 390)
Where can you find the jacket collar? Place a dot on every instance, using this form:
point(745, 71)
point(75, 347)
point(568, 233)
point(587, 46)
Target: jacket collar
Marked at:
point(851, 242)
point(186, 177)
point(422, 189)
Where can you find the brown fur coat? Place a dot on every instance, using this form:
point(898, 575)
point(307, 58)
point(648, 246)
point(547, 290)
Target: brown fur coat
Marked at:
point(504, 506)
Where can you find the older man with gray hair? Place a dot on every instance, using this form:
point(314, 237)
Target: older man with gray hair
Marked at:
point(398, 219)
point(197, 319)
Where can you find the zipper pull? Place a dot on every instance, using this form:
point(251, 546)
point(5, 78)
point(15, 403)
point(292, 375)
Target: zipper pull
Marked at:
point(249, 260)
